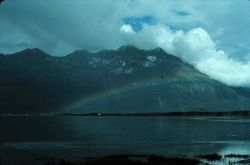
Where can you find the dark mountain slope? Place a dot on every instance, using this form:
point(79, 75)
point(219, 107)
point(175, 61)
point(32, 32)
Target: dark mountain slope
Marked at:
point(124, 80)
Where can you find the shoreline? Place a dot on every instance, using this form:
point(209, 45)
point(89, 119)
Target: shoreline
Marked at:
point(143, 159)
point(184, 114)
point(194, 113)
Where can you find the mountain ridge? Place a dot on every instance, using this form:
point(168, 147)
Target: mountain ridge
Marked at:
point(124, 80)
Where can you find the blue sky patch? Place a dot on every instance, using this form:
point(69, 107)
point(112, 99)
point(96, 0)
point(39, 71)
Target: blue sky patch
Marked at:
point(137, 22)
point(184, 27)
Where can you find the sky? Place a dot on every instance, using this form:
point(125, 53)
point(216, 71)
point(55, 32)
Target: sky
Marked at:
point(211, 35)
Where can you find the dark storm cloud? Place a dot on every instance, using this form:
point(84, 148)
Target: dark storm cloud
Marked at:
point(59, 27)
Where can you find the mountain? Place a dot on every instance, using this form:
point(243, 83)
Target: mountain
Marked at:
point(124, 80)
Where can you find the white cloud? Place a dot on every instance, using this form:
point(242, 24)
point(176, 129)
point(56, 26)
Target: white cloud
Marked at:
point(197, 48)
point(126, 28)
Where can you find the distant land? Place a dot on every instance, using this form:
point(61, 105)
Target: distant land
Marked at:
point(123, 81)
point(213, 114)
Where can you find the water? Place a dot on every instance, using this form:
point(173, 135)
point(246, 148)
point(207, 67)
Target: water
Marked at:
point(82, 136)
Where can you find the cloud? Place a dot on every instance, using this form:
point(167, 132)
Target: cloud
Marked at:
point(126, 28)
point(219, 47)
point(60, 26)
point(198, 49)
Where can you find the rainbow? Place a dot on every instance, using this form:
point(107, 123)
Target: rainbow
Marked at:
point(78, 103)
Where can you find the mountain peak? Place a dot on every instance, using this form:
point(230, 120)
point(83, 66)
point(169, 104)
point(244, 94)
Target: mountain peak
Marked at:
point(132, 47)
point(157, 49)
point(128, 47)
point(79, 52)
point(32, 52)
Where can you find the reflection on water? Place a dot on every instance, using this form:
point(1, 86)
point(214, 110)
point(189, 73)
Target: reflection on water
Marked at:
point(241, 148)
point(96, 136)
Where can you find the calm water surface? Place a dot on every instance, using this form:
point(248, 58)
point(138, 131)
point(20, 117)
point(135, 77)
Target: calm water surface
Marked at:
point(81, 136)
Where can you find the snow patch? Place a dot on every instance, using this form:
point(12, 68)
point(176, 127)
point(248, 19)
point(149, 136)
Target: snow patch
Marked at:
point(152, 58)
point(123, 64)
point(124, 70)
point(148, 64)
point(95, 60)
